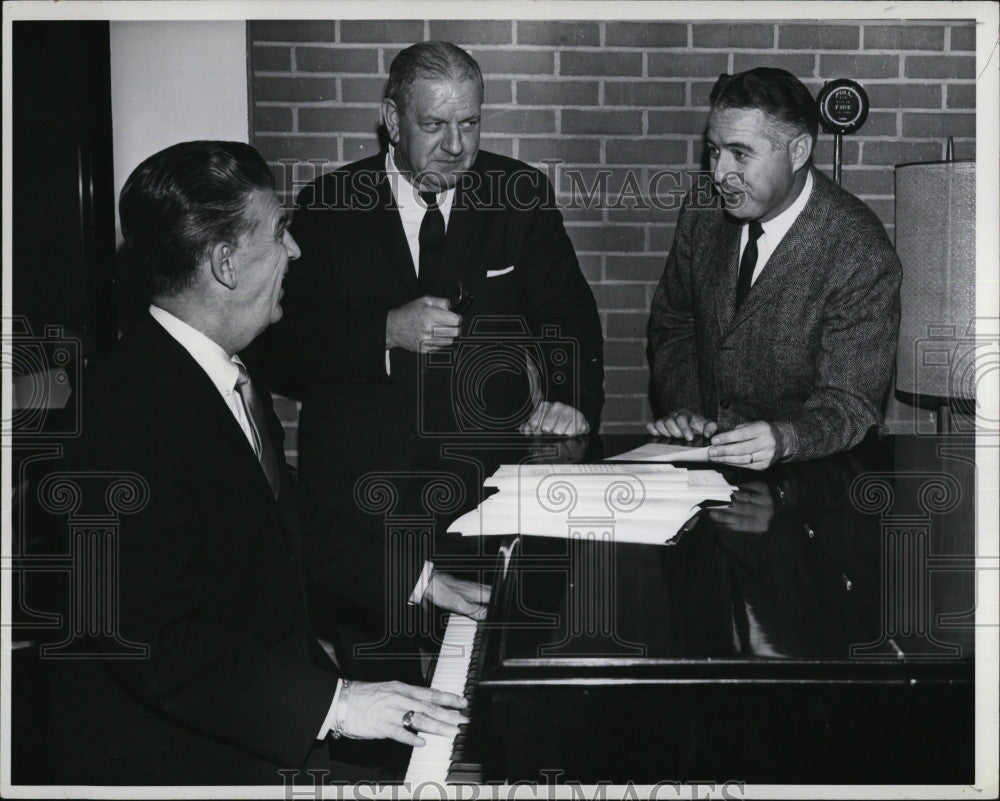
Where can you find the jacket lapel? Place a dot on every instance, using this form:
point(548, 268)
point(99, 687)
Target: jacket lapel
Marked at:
point(388, 231)
point(790, 257)
point(724, 251)
point(464, 238)
point(192, 388)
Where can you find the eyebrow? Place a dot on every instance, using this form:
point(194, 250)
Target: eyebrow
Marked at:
point(738, 145)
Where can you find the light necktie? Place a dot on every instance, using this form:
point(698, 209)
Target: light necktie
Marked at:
point(254, 412)
point(431, 242)
point(748, 262)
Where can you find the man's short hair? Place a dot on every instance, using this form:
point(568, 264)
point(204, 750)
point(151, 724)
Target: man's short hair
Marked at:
point(181, 202)
point(774, 91)
point(432, 61)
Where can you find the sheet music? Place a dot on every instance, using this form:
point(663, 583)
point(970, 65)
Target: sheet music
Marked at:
point(629, 503)
point(662, 452)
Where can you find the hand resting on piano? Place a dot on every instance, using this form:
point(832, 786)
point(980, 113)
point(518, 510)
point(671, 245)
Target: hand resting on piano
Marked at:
point(461, 596)
point(375, 710)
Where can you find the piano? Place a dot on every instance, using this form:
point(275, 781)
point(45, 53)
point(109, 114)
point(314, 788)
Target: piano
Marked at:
point(818, 630)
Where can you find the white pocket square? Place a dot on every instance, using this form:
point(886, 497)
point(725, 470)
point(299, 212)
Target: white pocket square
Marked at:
point(495, 273)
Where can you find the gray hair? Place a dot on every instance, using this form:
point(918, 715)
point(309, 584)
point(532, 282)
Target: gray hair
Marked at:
point(431, 60)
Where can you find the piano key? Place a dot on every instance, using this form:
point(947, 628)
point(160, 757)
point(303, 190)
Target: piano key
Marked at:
point(433, 761)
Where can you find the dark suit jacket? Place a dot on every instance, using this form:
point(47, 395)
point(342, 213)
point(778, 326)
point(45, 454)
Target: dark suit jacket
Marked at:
point(814, 342)
point(356, 266)
point(209, 578)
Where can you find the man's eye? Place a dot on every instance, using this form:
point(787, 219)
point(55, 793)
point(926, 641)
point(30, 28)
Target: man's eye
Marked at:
point(713, 153)
point(470, 125)
point(432, 127)
point(739, 155)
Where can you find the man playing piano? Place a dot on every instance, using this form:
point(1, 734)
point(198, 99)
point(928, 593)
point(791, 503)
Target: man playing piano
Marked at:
point(773, 329)
point(233, 687)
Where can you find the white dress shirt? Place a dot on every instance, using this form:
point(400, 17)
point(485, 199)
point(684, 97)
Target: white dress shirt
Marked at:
point(775, 230)
point(411, 207)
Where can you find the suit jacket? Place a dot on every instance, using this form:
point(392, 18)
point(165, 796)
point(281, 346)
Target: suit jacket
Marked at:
point(356, 266)
point(813, 343)
point(209, 577)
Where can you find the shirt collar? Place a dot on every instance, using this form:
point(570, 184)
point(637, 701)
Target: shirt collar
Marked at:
point(406, 195)
point(776, 229)
point(210, 356)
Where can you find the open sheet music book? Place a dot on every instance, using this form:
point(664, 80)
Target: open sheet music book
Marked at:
point(647, 503)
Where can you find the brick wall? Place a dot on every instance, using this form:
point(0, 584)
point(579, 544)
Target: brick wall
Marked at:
point(615, 101)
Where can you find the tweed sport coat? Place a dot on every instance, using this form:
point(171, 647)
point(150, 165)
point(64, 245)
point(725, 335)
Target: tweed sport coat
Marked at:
point(812, 345)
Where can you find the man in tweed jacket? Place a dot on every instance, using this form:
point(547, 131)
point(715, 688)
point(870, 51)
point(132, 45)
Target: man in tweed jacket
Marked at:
point(800, 367)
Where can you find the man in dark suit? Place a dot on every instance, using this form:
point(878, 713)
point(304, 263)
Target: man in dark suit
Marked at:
point(233, 686)
point(773, 329)
point(386, 365)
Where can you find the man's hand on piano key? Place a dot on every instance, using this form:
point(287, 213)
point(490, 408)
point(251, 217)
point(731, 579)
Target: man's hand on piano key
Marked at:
point(463, 597)
point(375, 711)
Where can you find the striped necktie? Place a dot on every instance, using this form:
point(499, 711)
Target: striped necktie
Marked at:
point(254, 412)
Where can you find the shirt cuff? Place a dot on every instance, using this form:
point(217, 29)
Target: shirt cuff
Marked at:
point(331, 715)
point(422, 583)
point(791, 441)
point(388, 364)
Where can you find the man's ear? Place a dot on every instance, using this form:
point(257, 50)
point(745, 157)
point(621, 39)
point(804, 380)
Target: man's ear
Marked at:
point(799, 150)
point(223, 266)
point(390, 116)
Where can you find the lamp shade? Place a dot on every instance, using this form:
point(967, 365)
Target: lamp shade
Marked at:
point(936, 242)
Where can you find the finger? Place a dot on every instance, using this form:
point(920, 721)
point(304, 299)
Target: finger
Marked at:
point(478, 612)
point(550, 419)
point(741, 433)
point(658, 427)
point(710, 428)
point(437, 697)
point(699, 424)
point(564, 422)
point(684, 424)
point(535, 421)
point(438, 303)
point(444, 331)
point(443, 716)
point(396, 732)
point(446, 318)
point(673, 430)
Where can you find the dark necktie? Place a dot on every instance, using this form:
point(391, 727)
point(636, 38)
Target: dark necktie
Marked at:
point(254, 412)
point(431, 242)
point(748, 262)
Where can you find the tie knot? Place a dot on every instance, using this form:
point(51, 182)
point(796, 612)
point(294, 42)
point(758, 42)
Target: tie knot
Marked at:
point(430, 199)
point(756, 230)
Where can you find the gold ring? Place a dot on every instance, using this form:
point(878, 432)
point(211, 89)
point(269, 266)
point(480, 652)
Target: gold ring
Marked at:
point(408, 719)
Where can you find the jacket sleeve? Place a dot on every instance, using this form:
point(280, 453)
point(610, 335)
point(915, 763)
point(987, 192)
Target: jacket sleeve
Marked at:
point(321, 335)
point(672, 328)
point(856, 355)
point(559, 295)
point(205, 669)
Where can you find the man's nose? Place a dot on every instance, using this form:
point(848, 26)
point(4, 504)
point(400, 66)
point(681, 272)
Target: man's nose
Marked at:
point(452, 143)
point(291, 246)
point(721, 169)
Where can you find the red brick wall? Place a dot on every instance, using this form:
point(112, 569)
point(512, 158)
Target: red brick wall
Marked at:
point(628, 98)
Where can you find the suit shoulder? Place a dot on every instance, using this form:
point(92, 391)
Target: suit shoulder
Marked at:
point(852, 212)
point(495, 163)
point(333, 184)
